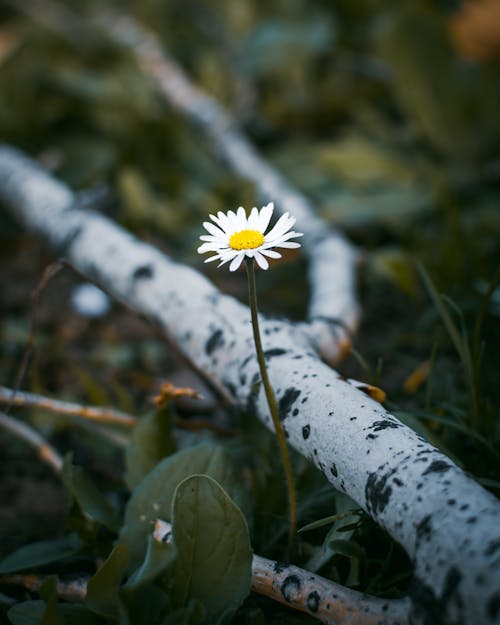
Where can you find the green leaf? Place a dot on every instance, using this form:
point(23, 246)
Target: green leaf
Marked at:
point(152, 498)
point(40, 553)
point(214, 556)
point(192, 614)
point(158, 557)
point(103, 587)
point(151, 441)
point(48, 592)
point(146, 604)
point(27, 613)
point(92, 503)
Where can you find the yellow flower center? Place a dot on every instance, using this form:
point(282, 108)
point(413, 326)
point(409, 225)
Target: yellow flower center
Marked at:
point(246, 240)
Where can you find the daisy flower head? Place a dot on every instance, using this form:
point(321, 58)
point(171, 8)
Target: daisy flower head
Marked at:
point(234, 236)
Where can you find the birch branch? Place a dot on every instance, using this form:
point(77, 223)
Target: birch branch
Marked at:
point(448, 524)
point(327, 601)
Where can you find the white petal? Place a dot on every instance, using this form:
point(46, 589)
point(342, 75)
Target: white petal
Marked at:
point(253, 220)
point(270, 253)
point(217, 232)
point(232, 221)
point(242, 218)
point(275, 241)
point(210, 237)
point(224, 220)
point(208, 247)
point(288, 244)
point(211, 258)
point(236, 262)
point(226, 257)
point(261, 261)
point(265, 216)
point(284, 223)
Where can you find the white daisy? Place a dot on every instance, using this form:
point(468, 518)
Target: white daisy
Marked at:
point(235, 236)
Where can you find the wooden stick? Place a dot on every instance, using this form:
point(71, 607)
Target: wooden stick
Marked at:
point(103, 415)
point(44, 450)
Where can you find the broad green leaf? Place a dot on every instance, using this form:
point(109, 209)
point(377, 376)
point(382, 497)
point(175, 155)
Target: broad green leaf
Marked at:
point(27, 613)
point(158, 557)
point(148, 605)
point(192, 614)
point(152, 498)
point(214, 556)
point(103, 587)
point(92, 503)
point(151, 442)
point(40, 553)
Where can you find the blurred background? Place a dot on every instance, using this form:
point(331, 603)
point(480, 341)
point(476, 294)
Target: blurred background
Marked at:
point(384, 113)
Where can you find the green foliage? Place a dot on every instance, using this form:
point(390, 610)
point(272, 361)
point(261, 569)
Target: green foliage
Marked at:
point(152, 498)
point(41, 553)
point(103, 587)
point(214, 555)
point(91, 502)
point(151, 441)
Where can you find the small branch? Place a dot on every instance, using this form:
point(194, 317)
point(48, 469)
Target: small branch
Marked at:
point(106, 416)
point(45, 451)
point(50, 272)
point(327, 601)
point(74, 590)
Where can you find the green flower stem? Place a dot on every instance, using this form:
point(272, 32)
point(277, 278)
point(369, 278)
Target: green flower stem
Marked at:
point(272, 403)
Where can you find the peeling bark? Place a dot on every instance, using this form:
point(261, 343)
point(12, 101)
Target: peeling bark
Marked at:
point(448, 524)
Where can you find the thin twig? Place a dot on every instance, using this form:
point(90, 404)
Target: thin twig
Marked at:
point(102, 415)
point(74, 590)
point(50, 272)
point(23, 431)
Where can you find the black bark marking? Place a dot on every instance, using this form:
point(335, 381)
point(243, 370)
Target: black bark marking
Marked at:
point(144, 272)
point(270, 353)
point(377, 491)
point(306, 430)
point(424, 529)
point(313, 601)
point(385, 424)
point(290, 588)
point(492, 547)
point(279, 567)
point(430, 609)
point(437, 466)
point(214, 342)
point(333, 469)
point(287, 400)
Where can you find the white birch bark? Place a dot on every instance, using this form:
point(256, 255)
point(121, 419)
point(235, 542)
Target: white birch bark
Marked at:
point(448, 524)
